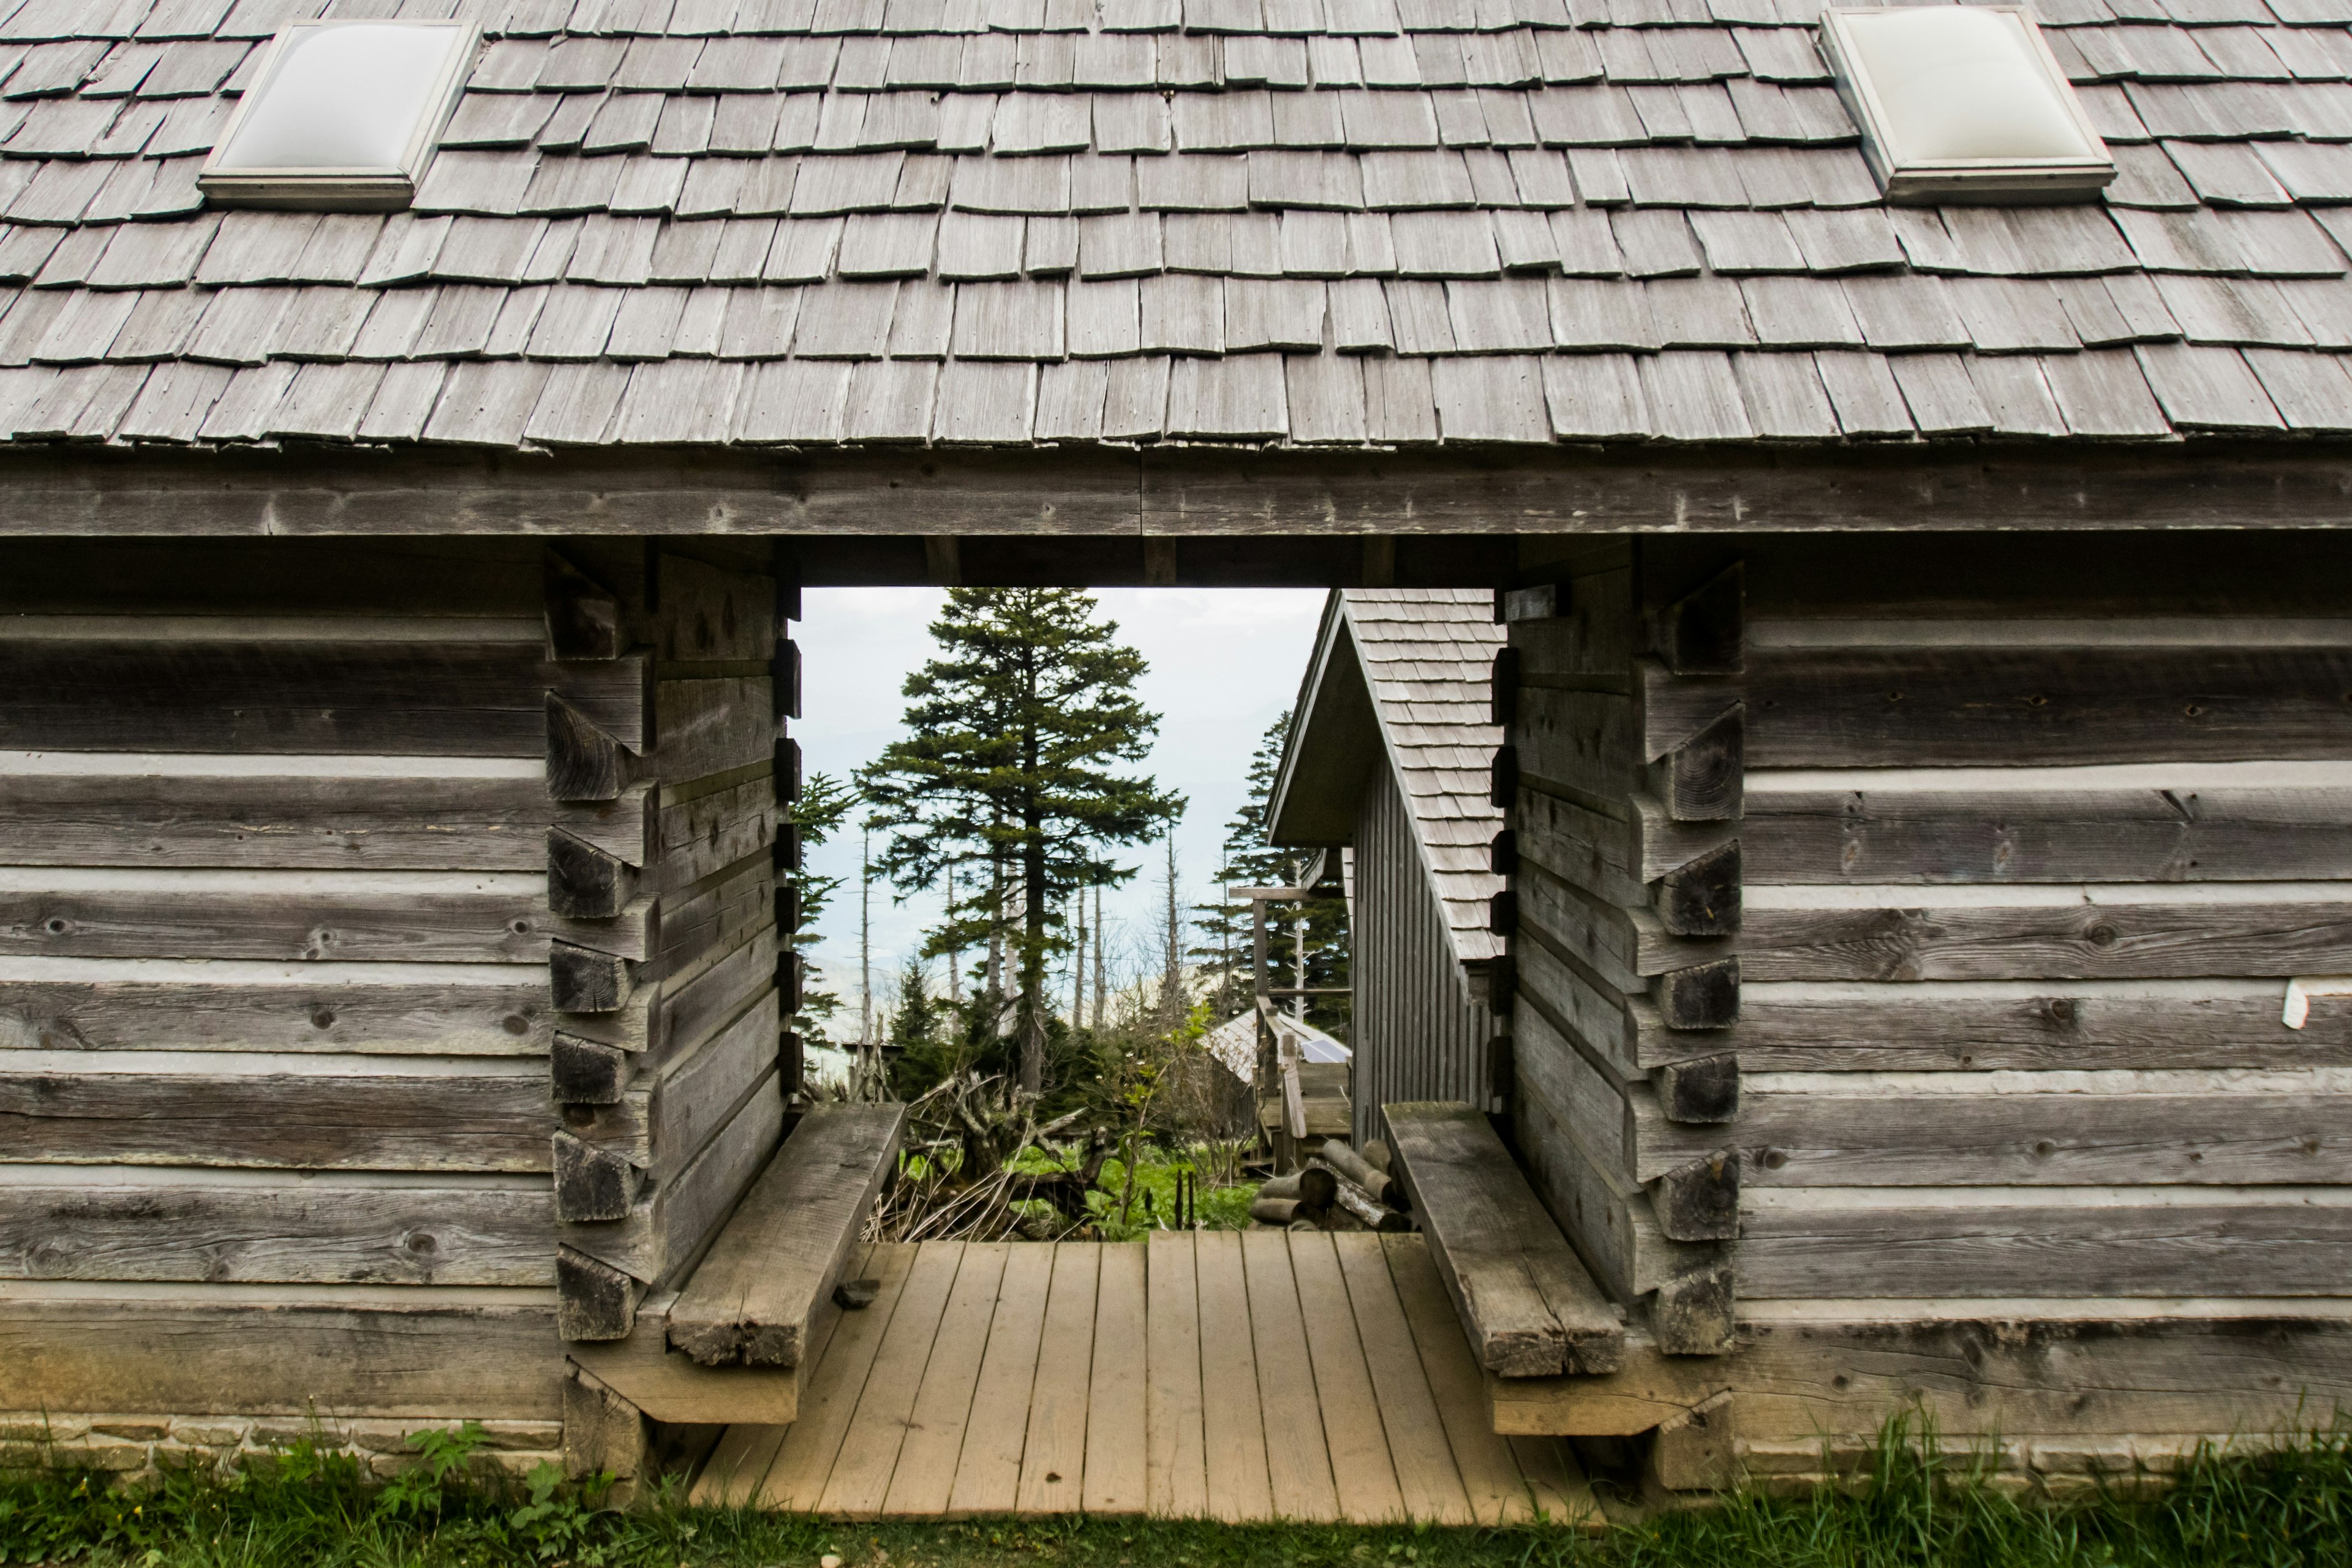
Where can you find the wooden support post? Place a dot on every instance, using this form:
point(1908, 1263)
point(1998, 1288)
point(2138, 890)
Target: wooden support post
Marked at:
point(942, 560)
point(1159, 563)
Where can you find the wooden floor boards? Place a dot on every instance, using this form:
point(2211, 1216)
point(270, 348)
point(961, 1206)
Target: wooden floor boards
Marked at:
point(1241, 1377)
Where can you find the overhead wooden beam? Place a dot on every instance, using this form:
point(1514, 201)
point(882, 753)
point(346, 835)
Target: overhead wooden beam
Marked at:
point(1179, 492)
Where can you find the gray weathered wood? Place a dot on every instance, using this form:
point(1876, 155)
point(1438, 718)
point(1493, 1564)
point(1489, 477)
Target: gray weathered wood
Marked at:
point(712, 726)
point(1698, 780)
point(755, 1298)
point(489, 1353)
point(320, 1232)
point(703, 830)
point(1702, 897)
point(669, 1224)
point(712, 611)
point(1527, 1304)
point(584, 883)
point(2026, 1025)
point(583, 619)
point(1606, 1215)
point(178, 913)
point(2068, 486)
point(2052, 835)
point(2008, 707)
point(411, 697)
point(498, 1012)
point(327, 1121)
point(585, 762)
point(677, 1097)
point(596, 1301)
point(2185, 1127)
point(671, 1388)
point(392, 821)
point(2104, 1241)
point(604, 1433)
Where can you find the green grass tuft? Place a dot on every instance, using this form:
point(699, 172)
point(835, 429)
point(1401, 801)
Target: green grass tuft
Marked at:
point(1910, 1508)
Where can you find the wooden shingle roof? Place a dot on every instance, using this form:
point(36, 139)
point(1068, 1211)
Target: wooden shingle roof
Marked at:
point(1306, 222)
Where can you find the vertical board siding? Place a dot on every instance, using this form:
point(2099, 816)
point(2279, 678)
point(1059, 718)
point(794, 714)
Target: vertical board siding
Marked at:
point(1419, 1036)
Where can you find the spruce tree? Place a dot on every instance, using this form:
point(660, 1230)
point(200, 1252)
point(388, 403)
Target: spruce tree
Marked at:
point(1009, 764)
point(1250, 861)
point(825, 803)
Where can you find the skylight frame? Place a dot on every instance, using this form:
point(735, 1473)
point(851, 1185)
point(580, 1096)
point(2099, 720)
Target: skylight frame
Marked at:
point(331, 188)
point(1963, 180)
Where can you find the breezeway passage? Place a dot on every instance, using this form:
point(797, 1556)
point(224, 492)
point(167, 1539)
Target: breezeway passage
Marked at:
point(1249, 1376)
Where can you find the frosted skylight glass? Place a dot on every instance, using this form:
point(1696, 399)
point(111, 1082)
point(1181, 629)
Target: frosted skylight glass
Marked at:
point(1962, 100)
point(343, 114)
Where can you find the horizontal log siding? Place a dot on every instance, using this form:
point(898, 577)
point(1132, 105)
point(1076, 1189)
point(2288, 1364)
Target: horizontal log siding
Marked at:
point(1419, 1034)
point(275, 927)
point(2024, 881)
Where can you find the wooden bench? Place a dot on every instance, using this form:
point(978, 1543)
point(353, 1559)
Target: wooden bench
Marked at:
point(1526, 1303)
point(732, 1343)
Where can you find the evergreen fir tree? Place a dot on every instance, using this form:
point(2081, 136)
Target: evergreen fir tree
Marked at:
point(825, 804)
point(1014, 737)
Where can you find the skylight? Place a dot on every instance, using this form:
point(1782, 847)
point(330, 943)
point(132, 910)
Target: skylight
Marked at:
point(1962, 103)
point(343, 115)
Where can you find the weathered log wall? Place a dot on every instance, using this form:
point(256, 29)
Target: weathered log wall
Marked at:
point(366, 912)
point(1911, 920)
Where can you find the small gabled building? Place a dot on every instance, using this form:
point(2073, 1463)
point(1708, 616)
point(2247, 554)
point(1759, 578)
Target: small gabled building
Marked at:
point(1390, 760)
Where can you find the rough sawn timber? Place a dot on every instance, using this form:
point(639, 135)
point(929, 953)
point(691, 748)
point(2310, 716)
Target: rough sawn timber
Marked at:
point(757, 1294)
point(1529, 1306)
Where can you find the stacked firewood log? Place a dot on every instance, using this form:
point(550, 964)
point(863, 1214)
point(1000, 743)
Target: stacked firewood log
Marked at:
point(1335, 1189)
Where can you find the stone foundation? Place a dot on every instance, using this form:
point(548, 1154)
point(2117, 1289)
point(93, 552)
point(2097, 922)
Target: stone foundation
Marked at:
point(135, 1448)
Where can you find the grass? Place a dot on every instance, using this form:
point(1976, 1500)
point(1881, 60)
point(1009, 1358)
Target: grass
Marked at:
point(305, 1509)
point(1153, 1205)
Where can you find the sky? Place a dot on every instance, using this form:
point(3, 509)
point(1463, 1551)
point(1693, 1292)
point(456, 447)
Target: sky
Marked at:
point(1225, 663)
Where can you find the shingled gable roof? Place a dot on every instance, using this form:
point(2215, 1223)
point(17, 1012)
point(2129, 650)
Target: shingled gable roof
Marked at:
point(1425, 656)
point(1314, 222)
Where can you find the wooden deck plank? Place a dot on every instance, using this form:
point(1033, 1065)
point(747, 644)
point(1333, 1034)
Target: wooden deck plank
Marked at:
point(927, 1462)
point(1425, 1471)
point(1115, 1402)
point(732, 1474)
point(988, 1473)
point(1363, 1474)
point(1490, 1475)
point(1298, 1462)
point(804, 1459)
point(1054, 1460)
point(1232, 1425)
point(1176, 1483)
point(869, 1455)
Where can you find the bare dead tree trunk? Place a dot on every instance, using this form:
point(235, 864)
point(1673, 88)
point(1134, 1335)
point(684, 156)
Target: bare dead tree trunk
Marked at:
point(1078, 965)
point(955, 954)
point(1102, 978)
point(1171, 981)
